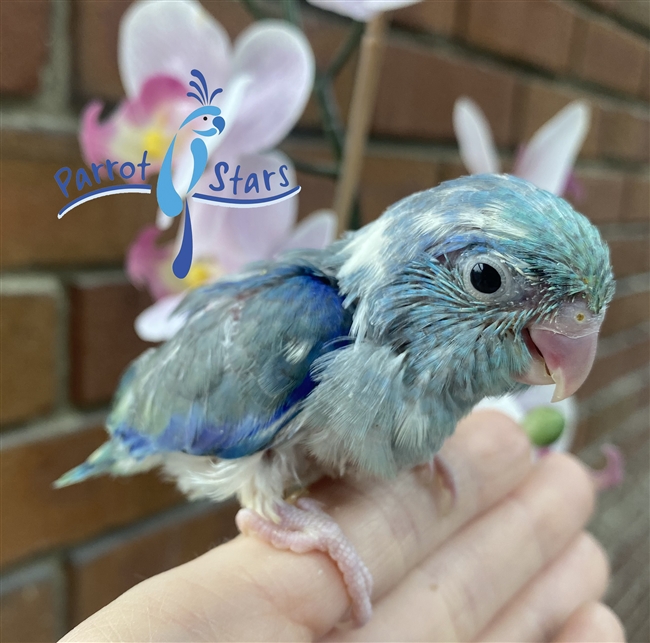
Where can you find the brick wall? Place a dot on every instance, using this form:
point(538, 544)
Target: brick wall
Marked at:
point(67, 309)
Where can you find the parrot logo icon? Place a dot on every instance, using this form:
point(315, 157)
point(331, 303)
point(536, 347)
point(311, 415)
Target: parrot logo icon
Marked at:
point(205, 121)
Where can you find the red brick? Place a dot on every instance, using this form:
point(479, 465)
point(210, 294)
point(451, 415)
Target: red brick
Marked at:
point(95, 38)
point(104, 570)
point(626, 312)
point(29, 326)
point(325, 40)
point(591, 428)
point(608, 369)
point(95, 48)
point(636, 199)
point(630, 256)
point(536, 31)
point(24, 38)
point(28, 605)
point(437, 17)
point(97, 232)
point(540, 101)
point(602, 195)
point(418, 89)
point(610, 55)
point(102, 338)
point(35, 517)
point(634, 10)
point(449, 170)
point(317, 191)
point(389, 178)
point(644, 88)
point(624, 134)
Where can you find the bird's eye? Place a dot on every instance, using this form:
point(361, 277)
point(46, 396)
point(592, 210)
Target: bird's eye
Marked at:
point(205, 118)
point(488, 278)
point(485, 278)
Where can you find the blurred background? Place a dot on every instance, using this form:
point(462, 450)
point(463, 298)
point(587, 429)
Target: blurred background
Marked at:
point(67, 308)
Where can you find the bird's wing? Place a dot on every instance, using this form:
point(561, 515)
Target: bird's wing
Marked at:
point(233, 376)
point(200, 160)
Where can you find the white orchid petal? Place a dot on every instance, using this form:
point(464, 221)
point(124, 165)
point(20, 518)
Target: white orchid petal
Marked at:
point(207, 230)
point(247, 234)
point(260, 232)
point(163, 222)
point(171, 38)
point(362, 10)
point(277, 61)
point(548, 159)
point(234, 96)
point(157, 323)
point(257, 233)
point(507, 404)
point(474, 135)
point(317, 230)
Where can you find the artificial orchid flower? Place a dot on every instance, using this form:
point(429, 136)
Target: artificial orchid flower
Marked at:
point(548, 158)
point(266, 79)
point(361, 10)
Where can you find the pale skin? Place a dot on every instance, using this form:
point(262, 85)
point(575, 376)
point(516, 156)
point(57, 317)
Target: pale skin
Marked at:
point(491, 547)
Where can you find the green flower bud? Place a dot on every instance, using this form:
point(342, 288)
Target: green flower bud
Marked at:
point(544, 425)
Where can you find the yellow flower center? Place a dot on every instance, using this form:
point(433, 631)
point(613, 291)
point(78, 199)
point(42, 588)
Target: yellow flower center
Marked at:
point(199, 274)
point(155, 142)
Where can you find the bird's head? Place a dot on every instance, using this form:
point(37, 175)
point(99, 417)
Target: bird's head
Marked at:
point(487, 280)
point(205, 121)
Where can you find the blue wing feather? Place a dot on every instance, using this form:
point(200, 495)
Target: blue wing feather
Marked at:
point(231, 402)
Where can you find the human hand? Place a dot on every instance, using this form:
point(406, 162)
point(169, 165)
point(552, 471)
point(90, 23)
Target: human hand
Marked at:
point(490, 547)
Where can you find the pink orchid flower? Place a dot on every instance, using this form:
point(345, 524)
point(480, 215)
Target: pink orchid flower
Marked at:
point(548, 158)
point(361, 10)
point(266, 78)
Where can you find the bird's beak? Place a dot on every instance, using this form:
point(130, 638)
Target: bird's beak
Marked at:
point(219, 123)
point(563, 350)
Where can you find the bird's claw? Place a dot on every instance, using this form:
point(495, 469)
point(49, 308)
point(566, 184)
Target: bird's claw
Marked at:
point(306, 527)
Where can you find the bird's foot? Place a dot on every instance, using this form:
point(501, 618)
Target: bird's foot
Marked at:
point(305, 527)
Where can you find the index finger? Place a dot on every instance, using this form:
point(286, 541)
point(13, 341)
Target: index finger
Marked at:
point(247, 590)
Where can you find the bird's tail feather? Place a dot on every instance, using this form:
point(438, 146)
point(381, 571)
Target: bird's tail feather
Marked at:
point(99, 462)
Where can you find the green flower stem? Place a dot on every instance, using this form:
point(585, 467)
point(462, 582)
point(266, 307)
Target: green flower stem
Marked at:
point(346, 50)
point(255, 10)
point(332, 124)
point(291, 11)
